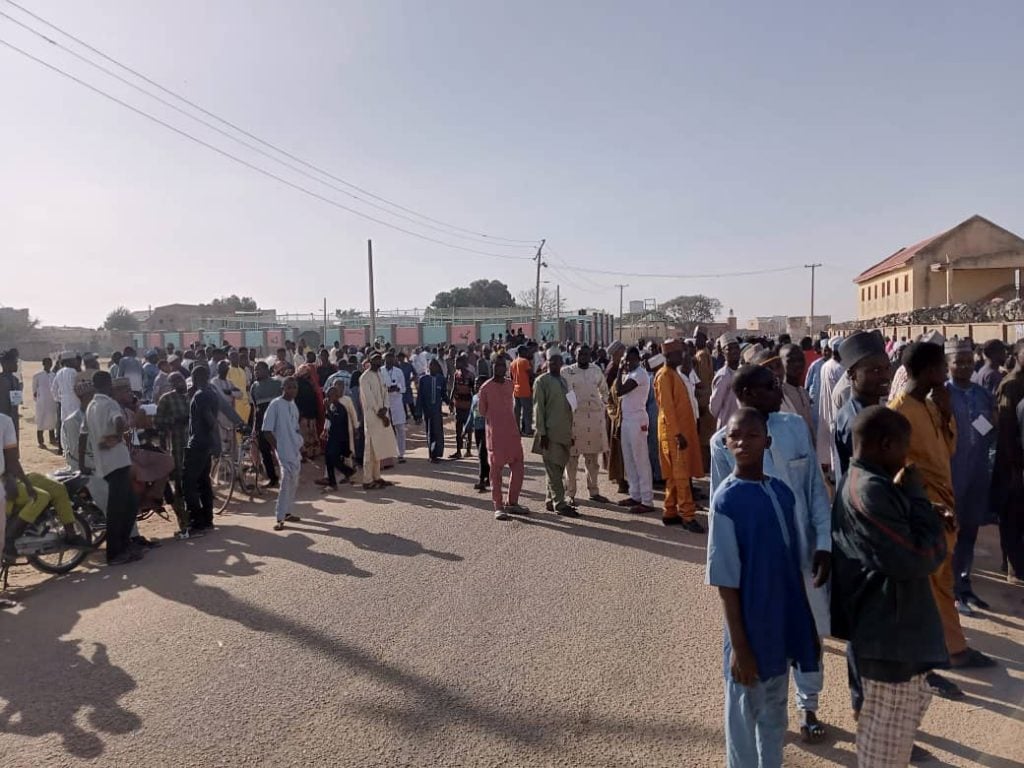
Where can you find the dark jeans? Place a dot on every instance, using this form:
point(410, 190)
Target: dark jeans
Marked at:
point(481, 448)
point(963, 559)
point(460, 428)
point(122, 508)
point(53, 437)
point(198, 490)
point(267, 454)
point(524, 414)
point(333, 459)
point(1011, 536)
point(433, 424)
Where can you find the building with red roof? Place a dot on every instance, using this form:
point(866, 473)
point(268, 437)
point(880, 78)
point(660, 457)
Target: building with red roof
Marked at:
point(974, 261)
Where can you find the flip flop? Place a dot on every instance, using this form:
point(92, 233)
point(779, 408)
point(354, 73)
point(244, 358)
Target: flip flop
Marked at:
point(279, 526)
point(812, 733)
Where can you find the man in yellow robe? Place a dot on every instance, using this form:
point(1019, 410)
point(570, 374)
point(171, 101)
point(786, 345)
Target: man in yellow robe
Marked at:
point(678, 442)
point(925, 402)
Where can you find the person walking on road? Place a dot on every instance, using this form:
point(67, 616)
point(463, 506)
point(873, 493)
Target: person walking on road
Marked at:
point(589, 437)
point(678, 441)
point(504, 443)
point(281, 431)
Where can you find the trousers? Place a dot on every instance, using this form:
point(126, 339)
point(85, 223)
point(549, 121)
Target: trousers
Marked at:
point(555, 480)
point(334, 461)
point(433, 425)
point(636, 457)
point(198, 490)
point(371, 464)
point(755, 723)
point(289, 487)
point(400, 439)
point(515, 483)
point(890, 717)
point(47, 492)
point(122, 509)
point(942, 590)
point(460, 428)
point(524, 414)
point(572, 470)
point(481, 449)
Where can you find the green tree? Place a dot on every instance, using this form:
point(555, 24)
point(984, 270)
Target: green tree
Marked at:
point(228, 305)
point(121, 319)
point(692, 309)
point(479, 293)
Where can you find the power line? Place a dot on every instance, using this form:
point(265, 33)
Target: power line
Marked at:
point(252, 166)
point(659, 275)
point(509, 242)
point(246, 144)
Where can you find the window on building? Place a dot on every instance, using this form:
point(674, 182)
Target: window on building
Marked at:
point(906, 283)
point(876, 291)
point(896, 282)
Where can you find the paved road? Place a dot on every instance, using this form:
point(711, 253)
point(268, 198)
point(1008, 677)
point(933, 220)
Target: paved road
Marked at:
point(408, 628)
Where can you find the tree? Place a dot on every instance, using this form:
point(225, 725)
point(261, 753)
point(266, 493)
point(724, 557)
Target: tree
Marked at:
point(228, 305)
point(692, 309)
point(479, 293)
point(548, 301)
point(341, 314)
point(121, 319)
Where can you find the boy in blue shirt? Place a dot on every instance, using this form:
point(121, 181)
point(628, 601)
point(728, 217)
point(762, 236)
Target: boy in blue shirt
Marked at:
point(478, 426)
point(754, 560)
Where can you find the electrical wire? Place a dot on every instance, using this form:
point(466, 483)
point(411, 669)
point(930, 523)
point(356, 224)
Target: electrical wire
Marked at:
point(252, 166)
point(508, 242)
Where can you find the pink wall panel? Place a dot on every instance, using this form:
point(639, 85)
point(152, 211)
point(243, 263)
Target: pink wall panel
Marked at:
point(407, 336)
point(188, 338)
point(234, 338)
point(354, 337)
point(153, 340)
point(275, 339)
point(463, 334)
point(527, 329)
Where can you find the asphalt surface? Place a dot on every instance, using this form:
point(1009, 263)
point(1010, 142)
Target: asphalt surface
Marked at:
point(407, 627)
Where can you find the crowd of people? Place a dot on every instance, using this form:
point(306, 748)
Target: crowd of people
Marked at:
point(848, 477)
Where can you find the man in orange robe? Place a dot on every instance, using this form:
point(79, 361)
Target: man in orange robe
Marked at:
point(679, 445)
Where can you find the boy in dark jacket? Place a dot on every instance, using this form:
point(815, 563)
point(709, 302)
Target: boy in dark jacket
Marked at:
point(887, 540)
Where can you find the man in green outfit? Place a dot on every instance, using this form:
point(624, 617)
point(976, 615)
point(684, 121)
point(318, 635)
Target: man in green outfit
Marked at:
point(552, 421)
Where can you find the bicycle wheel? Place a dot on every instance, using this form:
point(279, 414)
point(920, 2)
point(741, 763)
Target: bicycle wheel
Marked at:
point(250, 470)
point(222, 480)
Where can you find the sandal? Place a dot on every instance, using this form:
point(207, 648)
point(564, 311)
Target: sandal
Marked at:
point(811, 731)
point(279, 525)
point(290, 518)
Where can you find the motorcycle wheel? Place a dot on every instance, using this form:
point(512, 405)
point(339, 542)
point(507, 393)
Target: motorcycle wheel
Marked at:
point(67, 559)
point(97, 522)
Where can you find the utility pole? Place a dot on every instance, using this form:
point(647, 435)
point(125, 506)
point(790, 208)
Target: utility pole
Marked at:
point(373, 306)
point(325, 322)
point(558, 311)
point(621, 287)
point(810, 320)
point(536, 295)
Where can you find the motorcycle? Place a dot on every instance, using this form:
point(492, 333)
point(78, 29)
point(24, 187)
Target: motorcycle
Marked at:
point(77, 486)
point(44, 546)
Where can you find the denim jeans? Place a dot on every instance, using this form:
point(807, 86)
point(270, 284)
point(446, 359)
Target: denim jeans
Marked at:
point(755, 723)
point(524, 414)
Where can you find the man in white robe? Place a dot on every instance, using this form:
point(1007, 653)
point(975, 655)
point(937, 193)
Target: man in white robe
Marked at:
point(379, 436)
point(63, 385)
point(588, 387)
point(46, 404)
point(831, 373)
point(394, 380)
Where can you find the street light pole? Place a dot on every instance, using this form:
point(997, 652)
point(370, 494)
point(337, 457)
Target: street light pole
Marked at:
point(536, 295)
point(810, 319)
point(621, 286)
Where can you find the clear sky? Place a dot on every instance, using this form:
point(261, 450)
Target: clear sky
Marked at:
point(662, 137)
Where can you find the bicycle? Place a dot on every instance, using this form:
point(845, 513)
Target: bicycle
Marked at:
point(241, 466)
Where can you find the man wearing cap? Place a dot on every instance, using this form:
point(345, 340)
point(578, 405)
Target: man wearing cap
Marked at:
point(150, 370)
point(812, 381)
point(868, 371)
point(552, 417)
point(380, 441)
point(974, 411)
point(831, 372)
point(678, 441)
point(632, 388)
point(172, 420)
point(794, 397)
point(704, 368)
point(521, 372)
point(589, 437)
point(79, 449)
point(723, 401)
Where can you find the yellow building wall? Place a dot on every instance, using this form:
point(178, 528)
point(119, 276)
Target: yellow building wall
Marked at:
point(885, 294)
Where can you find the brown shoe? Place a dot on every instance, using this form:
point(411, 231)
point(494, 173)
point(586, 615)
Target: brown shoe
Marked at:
point(640, 509)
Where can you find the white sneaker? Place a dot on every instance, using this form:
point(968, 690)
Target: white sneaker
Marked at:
point(500, 514)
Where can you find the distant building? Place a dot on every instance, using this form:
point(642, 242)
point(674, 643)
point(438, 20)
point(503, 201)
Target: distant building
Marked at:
point(974, 261)
point(14, 317)
point(174, 317)
point(636, 307)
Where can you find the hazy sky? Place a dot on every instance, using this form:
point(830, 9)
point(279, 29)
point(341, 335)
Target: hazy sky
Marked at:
point(663, 137)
